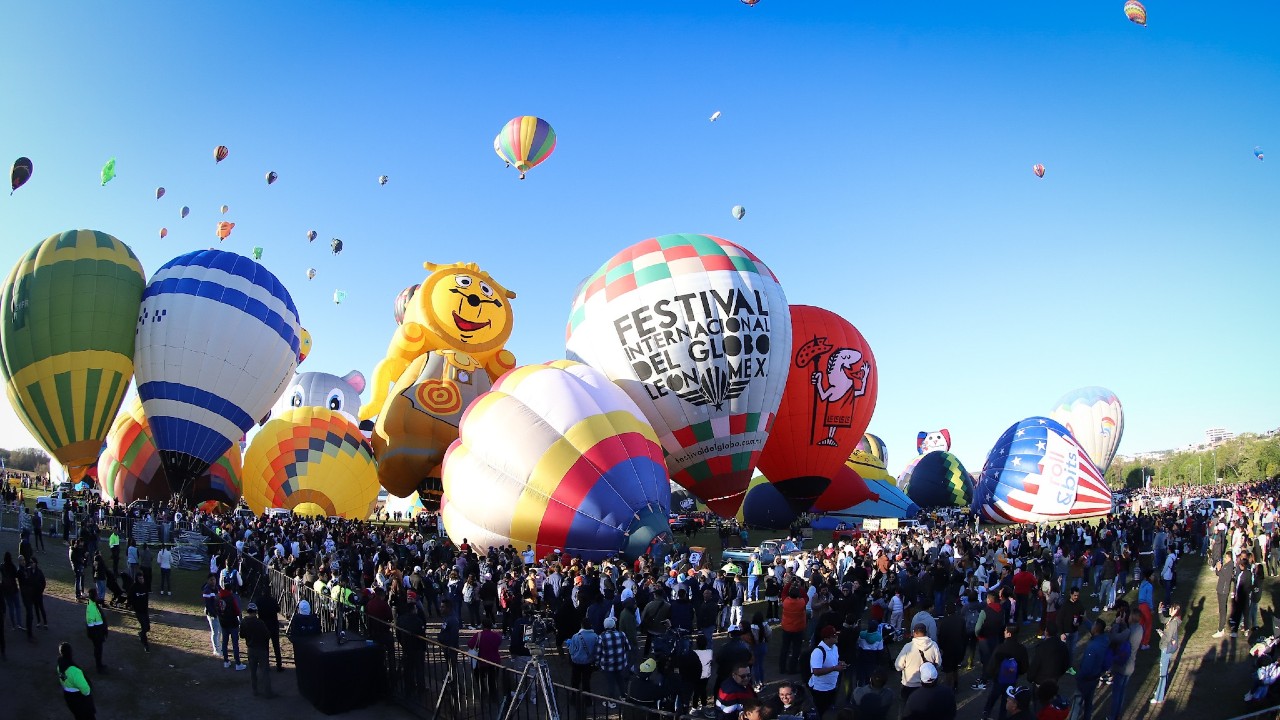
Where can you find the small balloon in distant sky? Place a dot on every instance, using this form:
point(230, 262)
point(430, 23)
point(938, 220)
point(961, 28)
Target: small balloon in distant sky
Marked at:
point(336, 246)
point(339, 296)
point(739, 212)
point(311, 273)
point(1038, 169)
point(715, 116)
point(382, 179)
point(1257, 152)
point(159, 193)
point(751, 3)
point(257, 253)
point(20, 174)
point(220, 153)
point(1136, 13)
point(164, 232)
point(225, 209)
point(272, 177)
point(185, 211)
point(108, 171)
point(224, 229)
point(311, 235)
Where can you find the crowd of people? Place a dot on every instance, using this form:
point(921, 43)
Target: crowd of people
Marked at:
point(1025, 606)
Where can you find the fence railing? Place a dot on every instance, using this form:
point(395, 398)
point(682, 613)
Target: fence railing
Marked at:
point(438, 681)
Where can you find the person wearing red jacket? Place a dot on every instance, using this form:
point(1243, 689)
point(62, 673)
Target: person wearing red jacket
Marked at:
point(1024, 583)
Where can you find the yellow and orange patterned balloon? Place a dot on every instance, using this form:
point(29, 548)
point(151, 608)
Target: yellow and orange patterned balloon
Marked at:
point(312, 461)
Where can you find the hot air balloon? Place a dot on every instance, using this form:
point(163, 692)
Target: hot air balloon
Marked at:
point(1257, 152)
point(557, 457)
point(220, 153)
point(883, 498)
point(20, 173)
point(311, 273)
point(225, 209)
point(739, 212)
point(1038, 169)
point(751, 3)
point(938, 479)
point(304, 344)
point(409, 507)
point(130, 469)
point(1135, 11)
point(335, 245)
point(382, 179)
point(164, 233)
point(1094, 416)
point(715, 116)
point(224, 229)
point(257, 253)
point(67, 339)
point(217, 341)
point(159, 193)
point(873, 446)
point(108, 171)
point(402, 301)
point(185, 211)
point(313, 461)
point(525, 142)
point(764, 506)
point(339, 296)
point(311, 235)
point(272, 177)
point(928, 441)
point(830, 394)
point(420, 420)
point(1037, 472)
point(697, 331)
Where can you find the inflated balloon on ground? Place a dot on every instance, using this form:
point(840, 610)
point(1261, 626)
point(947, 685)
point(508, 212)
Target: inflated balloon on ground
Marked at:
point(71, 305)
point(939, 479)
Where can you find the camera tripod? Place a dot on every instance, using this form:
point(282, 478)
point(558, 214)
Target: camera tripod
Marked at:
point(535, 678)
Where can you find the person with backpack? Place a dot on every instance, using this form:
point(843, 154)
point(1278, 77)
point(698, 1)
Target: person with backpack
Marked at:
point(825, 667)
point(922, 649)
point(229, 619)
point(1125, 637)
point(1008, 662)
point(582, 651)
point(970, 611)
point(1092, 665)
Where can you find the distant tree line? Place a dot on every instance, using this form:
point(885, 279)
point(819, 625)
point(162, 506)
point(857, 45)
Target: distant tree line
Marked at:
point(29, 459)
point(1244, 458)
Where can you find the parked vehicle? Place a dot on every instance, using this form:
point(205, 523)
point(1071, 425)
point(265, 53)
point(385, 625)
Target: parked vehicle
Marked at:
point(55, 502)
point(767, 551)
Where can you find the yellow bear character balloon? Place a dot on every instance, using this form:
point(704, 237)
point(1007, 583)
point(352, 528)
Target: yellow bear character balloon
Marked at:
point(459, 308)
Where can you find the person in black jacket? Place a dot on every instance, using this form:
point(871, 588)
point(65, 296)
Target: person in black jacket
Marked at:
point(140, 600)
point(1242, 589)
point(1049, 662)
point(1010, 648)
point(931, 701)
point(952, 639)
point(269, 614)
point(1226, 581)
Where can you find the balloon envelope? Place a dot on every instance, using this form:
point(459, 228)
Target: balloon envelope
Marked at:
point(738, 212)
point(20, 173)
point(402, 301)
point(1257, 152)
point(556, 456)
point(764, 506)
point(697, 331)
point(525, 142)
point(1036, 472)
point(217, 341)
point(1136, 12)
point(313, 461)
point(224, 229)
point(67, 339)
point(304, 344)
point(220, 153)
point(830, 394)
point(272, 177)
point(159, 193)
point(1094, 416)
point(938, 480)
point(1038, 169)
point(185, 211)
point(108, 171)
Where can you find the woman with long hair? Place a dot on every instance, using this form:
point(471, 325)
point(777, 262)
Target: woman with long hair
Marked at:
point(1170, 638)
point(9, 588)
point(75, 687)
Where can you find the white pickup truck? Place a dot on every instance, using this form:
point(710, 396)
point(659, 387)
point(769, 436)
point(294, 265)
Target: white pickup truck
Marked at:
point(55, 502)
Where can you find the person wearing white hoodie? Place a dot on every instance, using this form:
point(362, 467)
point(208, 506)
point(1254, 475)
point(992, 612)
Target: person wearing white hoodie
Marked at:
point(922, 649)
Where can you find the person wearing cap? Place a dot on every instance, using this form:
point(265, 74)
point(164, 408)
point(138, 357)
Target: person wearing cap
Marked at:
point(613, 656)
point(932, 701)
point(997, 671)
point(1017, 702)
point(825, 667)
point(913, 656)
point(258, 641)
point(735, 651)
point(303, 623)
point(647, 688)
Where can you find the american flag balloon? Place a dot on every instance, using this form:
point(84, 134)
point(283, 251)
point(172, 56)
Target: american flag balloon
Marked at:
point(1037, 472)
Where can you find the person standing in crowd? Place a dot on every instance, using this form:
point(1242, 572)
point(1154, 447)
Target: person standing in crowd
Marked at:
point(140, 600)
point(1146, 598)
point(1017, 703)
point(913, 656)
point(76, 556)
point(613, 657)
point(113, 544)
point(269, 614)
point(1241, 593)
point(410, 628)
point(131, 557)
point(212, 612)
point(76, 691)
point(736, 691)
point(96, 628)
point(1170, 639)
point(931, 701)
point(165, 559)
point(582, 650)
point(825, 667)
point(1092, 665)
point(100, 576)
point(303, 623)
point(793, 627)
point(9, 588)
point(257, 642)
point(229, 619)
point(1226, 583)
point(450, 630)
point(1126, 636)
point(1008, 662)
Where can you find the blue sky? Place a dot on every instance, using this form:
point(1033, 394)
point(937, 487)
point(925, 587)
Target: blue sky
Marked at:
point(883, 154)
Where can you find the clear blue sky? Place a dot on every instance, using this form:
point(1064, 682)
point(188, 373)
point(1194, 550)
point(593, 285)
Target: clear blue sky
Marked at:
point(883, 153)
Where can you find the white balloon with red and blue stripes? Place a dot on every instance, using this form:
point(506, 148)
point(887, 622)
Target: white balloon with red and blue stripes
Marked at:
point(217, 342)
point(1037, 472)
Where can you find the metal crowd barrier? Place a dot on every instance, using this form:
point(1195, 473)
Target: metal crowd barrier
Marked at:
point(437, 681)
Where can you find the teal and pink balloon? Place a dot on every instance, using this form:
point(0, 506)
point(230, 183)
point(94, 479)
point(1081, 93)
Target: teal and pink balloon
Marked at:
point(1095, 417)
point(525, 142)
point(558, 457)
point(1037, 472)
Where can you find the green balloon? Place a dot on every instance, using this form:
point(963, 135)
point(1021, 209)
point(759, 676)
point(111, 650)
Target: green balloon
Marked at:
point(257, 253)
point(108, 171)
